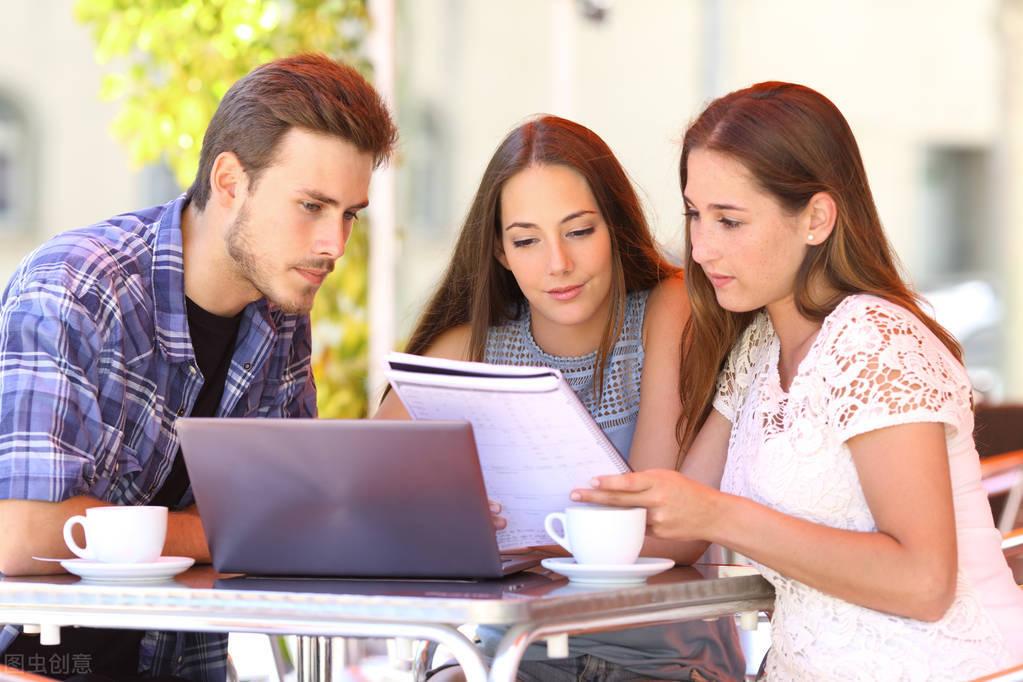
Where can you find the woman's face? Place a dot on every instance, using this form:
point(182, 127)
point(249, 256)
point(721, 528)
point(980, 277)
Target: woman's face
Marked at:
point(557, 246)
point(747, 245)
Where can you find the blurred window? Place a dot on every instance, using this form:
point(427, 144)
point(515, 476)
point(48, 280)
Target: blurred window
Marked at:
point(956, 212)
point(5, 171)
point(15, 197)
point(961, 258)
point(427, 157)
point(9, 167)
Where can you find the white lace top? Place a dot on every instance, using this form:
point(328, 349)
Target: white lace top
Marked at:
point(873, 365)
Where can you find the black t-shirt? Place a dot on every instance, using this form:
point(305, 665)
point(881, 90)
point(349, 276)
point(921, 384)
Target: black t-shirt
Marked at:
point(115, 653)
point(213, 339)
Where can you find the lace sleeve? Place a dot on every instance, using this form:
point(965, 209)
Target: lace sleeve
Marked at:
point(735, 377)
point(883, 367)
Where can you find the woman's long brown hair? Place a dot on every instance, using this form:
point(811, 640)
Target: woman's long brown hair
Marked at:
point(795, 143)
point(476, 290)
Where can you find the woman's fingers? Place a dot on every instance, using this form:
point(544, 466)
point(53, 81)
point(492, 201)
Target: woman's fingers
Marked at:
point(622, 490)
point(632, 482)
point(500, 523)
point(607, 497)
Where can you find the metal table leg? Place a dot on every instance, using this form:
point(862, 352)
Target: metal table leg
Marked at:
point(309, 664)
point(422, 657)
point(510, 651)
point(324, 650)
point(307, 668)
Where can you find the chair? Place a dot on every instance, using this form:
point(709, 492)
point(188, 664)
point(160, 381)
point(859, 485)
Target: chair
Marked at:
point(1008, 675)
point(998, 433)
point(998, 428)
point(1012, 548)
point(1003, 475)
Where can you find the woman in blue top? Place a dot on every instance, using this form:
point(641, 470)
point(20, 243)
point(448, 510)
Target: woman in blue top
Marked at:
point(555, 266)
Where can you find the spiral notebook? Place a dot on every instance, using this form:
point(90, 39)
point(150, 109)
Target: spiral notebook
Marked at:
point(536, 441)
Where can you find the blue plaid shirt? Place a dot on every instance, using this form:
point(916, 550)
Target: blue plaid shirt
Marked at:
point(96, 365)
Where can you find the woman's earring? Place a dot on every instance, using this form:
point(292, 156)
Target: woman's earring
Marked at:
point(810, 236)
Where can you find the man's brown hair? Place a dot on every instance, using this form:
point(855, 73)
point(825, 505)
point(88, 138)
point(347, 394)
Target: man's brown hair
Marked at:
point(308, 91)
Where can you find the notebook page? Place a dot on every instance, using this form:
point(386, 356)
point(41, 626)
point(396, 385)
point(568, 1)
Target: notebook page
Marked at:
point(534, 447)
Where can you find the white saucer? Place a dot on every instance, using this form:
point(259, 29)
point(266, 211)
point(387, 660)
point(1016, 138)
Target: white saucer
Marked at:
point(152, 571)
point(608, 574)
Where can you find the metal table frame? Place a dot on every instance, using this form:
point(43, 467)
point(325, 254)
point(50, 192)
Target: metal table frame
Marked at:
point(192, 604)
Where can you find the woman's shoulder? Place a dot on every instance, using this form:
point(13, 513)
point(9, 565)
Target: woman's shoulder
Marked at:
point(880, 354)
point(870, 307)
point(451, 344)
point(666, 308)
point(874, 333)
point(874, 320)
point(670, 291)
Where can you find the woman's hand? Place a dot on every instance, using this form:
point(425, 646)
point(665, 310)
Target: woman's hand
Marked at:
point(678, 508)
point(500, 523)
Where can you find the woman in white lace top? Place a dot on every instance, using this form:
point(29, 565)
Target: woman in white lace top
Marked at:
point(829, 417)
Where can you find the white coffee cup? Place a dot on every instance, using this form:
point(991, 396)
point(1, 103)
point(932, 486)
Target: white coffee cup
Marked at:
point(600, 535)
point(125, 534)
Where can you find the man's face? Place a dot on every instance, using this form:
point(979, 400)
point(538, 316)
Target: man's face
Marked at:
point(294, 223)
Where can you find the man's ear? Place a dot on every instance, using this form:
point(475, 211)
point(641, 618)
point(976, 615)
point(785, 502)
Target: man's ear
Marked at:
point(228, 179)
point(822, 213)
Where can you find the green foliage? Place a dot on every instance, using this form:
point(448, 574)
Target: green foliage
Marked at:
point(176, 60)
point(341, 332)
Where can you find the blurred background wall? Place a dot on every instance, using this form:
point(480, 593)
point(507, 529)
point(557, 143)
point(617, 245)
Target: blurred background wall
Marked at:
point(926, 86)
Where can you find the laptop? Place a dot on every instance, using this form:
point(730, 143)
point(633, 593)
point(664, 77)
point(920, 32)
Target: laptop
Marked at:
point(527, 584)
point(343, 498)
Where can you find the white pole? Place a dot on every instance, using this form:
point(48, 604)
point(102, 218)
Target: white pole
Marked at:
point(383, 242)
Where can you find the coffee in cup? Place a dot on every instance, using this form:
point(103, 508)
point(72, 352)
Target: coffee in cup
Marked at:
point(126, 534)
point(600, 535)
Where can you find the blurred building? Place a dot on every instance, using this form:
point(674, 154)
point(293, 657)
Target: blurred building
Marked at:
point(920, 82)
point(925, 86)
point(59, 166)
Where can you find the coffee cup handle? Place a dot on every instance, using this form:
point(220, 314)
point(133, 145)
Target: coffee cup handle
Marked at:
point(69, 540)
point(548, 525)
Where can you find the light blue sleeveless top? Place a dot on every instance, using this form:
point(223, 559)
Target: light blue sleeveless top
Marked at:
point(512, 343)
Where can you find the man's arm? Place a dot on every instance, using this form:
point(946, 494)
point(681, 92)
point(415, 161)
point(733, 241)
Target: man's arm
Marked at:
point(31, 528)
point(48, 350)
point(185, 535)
point(52, 435)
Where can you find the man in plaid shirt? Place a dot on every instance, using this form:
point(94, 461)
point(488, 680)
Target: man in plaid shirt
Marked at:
point(110, 333)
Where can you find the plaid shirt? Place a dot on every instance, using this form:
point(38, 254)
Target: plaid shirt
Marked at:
point(96, 365)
